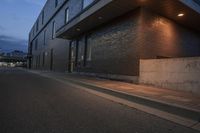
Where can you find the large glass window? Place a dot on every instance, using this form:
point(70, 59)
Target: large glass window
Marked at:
point(86, 3)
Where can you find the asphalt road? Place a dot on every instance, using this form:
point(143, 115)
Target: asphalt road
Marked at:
point(33, 104)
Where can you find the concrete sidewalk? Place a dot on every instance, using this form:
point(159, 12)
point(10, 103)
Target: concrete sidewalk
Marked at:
point(179, 103)
point(175, 97)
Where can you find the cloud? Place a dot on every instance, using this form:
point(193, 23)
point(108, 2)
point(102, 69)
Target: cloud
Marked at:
point(8, 43)
point(10, 38)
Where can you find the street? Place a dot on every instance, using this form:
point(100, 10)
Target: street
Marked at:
point(30, 103)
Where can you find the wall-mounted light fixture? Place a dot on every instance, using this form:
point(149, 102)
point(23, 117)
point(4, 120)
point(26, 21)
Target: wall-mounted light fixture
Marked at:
point(100, 18)
point(180, 14)
point(78, 29)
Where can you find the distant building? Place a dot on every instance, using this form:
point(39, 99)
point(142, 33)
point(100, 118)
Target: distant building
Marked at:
point(14, 56)
point(18, 54)
point(109, 37)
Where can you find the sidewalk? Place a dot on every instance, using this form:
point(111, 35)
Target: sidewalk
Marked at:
point(175, 97)
point(183, 104)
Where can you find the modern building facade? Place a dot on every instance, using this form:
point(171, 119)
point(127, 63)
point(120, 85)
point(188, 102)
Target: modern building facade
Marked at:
point(109, 37)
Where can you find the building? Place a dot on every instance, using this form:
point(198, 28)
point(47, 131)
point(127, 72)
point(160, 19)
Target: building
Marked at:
point(18, 54)
point(14, 58)
point(109, 37)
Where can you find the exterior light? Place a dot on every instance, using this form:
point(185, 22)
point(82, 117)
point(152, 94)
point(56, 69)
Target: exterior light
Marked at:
point(180, 15)
point(78, 29)
point(100, 18)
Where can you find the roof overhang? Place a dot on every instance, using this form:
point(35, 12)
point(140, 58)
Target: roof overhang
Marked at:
point(106, 10)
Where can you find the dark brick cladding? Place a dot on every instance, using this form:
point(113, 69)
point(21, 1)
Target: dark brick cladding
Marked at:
point(60, 46)
point(140, 34)
point(118, 45)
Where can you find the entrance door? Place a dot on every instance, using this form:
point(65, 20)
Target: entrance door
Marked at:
point(72, 56)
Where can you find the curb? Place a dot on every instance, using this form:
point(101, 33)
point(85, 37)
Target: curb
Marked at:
point(167, 107)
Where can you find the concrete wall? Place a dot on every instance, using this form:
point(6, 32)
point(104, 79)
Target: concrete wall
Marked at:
point(178, 73)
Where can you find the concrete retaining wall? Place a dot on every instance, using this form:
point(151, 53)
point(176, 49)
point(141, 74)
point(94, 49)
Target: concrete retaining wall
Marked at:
point(179, 73)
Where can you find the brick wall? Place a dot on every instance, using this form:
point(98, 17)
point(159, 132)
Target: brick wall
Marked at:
point(118, 45)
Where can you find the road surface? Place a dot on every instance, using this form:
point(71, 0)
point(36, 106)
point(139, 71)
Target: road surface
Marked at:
point(30, 103)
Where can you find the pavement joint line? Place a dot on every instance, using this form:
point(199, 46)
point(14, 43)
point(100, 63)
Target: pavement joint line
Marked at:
point(145, 108)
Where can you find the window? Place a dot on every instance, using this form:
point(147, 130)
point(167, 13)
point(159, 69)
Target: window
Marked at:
point(38, 60)
point(80, 51)
point(45, 37)
point(53, 30)
point(43, 60)
point(66, 15)
point(51, 60)
point(42, 17)
point(33, 32)
point(86, 3)
point(56, 3)
point(89, 50)
point(197, 1)
point(36, 44)
point(37, 25)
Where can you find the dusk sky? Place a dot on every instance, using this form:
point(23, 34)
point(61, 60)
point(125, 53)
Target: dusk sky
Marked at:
point(16, 20)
